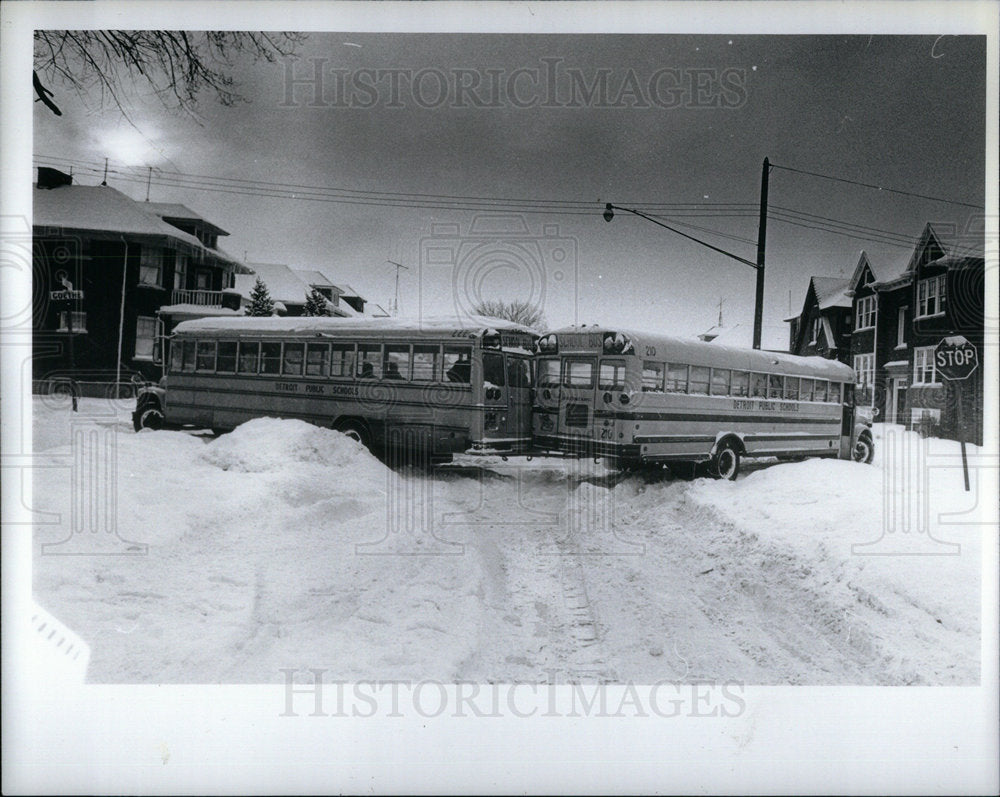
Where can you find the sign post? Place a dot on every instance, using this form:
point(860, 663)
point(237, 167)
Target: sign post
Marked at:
point(955, 358)
point(68, 295)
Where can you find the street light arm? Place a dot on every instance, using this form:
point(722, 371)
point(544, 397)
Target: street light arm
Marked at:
point(608, 216)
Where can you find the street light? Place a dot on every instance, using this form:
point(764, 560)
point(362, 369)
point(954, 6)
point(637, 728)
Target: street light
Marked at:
point(758, 315)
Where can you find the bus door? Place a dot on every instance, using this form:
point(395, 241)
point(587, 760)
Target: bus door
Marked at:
point(495, 399)
point(518, 426)
point(846, 421)
point(576, 397)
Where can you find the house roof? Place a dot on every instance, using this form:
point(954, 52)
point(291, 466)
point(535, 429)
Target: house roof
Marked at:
point(831, 292)
point(174, 210)
point(773, 337)
point(283, 284)
point(102, 209)
point(317, 278)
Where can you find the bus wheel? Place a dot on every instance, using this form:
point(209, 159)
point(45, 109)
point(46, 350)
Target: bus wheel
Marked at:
point(726, 463)
point(149, 416)
point(356, 431)
point(864, 451)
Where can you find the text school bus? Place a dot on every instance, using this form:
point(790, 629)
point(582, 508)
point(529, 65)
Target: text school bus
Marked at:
point(440, 385)
point(640, 398)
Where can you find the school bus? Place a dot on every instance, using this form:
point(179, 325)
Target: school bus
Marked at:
point(640, 398)
point(442, 385)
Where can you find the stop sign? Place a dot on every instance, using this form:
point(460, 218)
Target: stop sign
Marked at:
point(955, 357)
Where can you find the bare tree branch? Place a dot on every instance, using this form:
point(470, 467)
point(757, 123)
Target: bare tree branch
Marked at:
point(176, 65)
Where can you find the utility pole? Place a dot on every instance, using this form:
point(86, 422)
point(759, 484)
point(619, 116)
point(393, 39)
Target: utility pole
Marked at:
point(758, 310)
point(395, 304)
point(149, 178)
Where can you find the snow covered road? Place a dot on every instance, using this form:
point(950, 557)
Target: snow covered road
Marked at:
point(281, 545)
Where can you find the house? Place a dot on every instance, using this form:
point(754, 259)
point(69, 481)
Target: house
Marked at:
point(105, 266)
point(823, 326)
point(939, 294)
point(772, 337)
point(887, 326)
point(319, 281)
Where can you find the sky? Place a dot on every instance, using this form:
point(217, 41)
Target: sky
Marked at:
point(682, 129)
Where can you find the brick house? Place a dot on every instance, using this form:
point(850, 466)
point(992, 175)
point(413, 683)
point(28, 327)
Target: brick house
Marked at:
point(823, 326)
point(104, 267)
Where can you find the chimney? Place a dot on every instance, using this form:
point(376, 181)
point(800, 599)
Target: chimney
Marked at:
point(52, 178)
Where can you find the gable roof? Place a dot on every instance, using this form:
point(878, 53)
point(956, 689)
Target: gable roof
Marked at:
point(928, 244)
point(174, 210)
point(317, 278)
point(103, 211)
point(831, 292)
point(283, 284)
point(859, 270)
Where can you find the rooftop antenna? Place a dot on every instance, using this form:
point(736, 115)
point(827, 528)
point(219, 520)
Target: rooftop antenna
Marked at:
point(721, 300)
point(395, 304)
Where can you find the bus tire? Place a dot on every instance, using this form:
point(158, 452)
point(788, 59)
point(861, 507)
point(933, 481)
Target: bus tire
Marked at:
point(864, 450)
point(356, 430)
point(726, 462)
point(148, 416)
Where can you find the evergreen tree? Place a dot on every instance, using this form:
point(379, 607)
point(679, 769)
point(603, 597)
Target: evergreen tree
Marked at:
point(316, 304)
point(261, 303)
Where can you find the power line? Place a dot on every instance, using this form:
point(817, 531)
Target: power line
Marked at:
point(877, 187)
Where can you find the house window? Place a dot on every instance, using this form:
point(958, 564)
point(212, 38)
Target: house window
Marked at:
point(930, 296)
point(78, 319)
point(817, 326)
point(924, 372)
point(145, 337)
point(864, 369)
point(901, 328)
point(151, 267)
point(864, 313)
point(204, 280)
point(180, 271)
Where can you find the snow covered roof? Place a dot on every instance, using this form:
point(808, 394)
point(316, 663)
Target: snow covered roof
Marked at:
point(174, 210)
point(317, 278)
point(773, 337)
point(473, 324)
point(196, 310)
point(283, 284)
point(102, 209)
point(831, 292)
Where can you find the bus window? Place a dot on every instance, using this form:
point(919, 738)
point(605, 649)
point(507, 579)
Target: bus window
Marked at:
point(249, 357)
point(806, 391)
point(652, 377)
point(317, 359)
point(425, 362)
point(176, 356)
point(612, 375)
point(758, 385)
point(206, 355)
point(834, 392)
point(397, 361)
point(226, 362)
point(458, 364)
point(677, 378)
point(792, 388)
point(720, 381)
point(295, 353)
point(578, 373)
point(189, 348)
point(775, 386)
point(342, 359)
point(819, 390)
point(518, 371)
point(493, 369)
point(699, 380)
point(741, 383)
point(270, 358)
point(548, 373)
point(369, 360)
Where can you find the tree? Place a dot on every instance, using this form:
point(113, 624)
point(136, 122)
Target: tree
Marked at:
point(261, 303)
point(176, 65)
point(316, 304)
point(518, 311)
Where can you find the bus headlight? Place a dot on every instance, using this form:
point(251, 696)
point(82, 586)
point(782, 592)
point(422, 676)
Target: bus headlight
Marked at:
point(624, 399)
